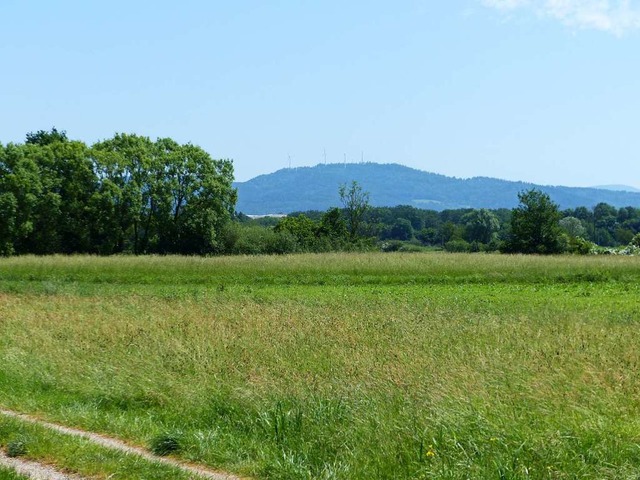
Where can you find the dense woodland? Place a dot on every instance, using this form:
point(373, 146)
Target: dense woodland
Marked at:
point(129, 194)
point(125, 194)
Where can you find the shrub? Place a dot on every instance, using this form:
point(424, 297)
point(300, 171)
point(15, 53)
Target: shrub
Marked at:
point(256, 240)
point(164, 444)
point(16, 448)
point(457, 246)
point(391, 246)
point(411, 248)
point(579, 245)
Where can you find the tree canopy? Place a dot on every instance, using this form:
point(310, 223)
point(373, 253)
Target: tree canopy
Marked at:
point(124, 194)
point(535, 225)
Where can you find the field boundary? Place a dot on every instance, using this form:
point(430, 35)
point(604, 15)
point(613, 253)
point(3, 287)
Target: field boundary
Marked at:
point(115, 444)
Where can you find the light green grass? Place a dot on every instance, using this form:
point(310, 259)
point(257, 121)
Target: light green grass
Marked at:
point(9, 474)
point(337, 366)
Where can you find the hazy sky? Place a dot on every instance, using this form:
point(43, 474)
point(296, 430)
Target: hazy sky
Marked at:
point(546, 91)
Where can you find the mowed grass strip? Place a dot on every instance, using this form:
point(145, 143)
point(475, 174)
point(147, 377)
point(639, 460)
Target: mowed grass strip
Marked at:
point(499, 376)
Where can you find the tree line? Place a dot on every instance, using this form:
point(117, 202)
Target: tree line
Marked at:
point(129, 194)
point(537, 225)
point(126, 194)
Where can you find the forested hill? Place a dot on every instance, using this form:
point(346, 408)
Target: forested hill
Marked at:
point(316, 188)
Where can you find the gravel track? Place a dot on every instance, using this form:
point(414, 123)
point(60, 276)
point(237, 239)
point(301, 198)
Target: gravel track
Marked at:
point(119, 445)
point(34, 470)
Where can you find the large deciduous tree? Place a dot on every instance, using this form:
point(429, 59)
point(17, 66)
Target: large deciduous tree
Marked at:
point(164, 197)
point(124, 194)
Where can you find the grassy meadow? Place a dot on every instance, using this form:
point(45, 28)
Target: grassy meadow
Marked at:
point(333, 366)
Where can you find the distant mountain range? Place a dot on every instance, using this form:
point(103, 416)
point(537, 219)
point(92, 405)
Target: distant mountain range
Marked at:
point(316, 188)
point(618, 188)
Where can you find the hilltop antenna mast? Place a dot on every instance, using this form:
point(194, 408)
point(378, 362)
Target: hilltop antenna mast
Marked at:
point(289, 162)
point(345, 160)
point(325, 155)
point(362, 157)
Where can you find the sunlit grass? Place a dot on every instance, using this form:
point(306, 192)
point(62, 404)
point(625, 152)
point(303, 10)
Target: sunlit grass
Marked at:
point(337, 366)
point(79, 456)
point(9, 474)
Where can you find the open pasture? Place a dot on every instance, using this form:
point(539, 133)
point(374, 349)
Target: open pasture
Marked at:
point(336, 366)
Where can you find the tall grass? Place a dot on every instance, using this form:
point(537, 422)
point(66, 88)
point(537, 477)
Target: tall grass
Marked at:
point(337, 366)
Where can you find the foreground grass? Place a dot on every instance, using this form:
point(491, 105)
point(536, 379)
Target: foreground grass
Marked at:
point(8, 474)
point(79, 456)
point(337, 366)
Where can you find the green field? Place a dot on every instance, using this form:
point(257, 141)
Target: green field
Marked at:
point(345, 366)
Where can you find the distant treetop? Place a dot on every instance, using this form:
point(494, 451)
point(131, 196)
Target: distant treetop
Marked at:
point(42, 137)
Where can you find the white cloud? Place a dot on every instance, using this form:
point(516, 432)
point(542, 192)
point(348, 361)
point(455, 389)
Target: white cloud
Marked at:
point(614, 16)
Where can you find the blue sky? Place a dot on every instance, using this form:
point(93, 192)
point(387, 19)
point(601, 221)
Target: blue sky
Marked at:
point(544, 91)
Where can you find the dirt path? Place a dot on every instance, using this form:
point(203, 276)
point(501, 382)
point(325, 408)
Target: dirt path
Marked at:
point(34, 470)
point(122, 447)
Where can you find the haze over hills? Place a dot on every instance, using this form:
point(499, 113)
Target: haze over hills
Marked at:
point(618, 188)
point(316, 188)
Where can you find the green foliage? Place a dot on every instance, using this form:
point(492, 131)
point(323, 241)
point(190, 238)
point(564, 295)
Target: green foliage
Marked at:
point(428, 236)
point(457, 246)
point(42, 137)
point(355, 202)
point(328, 234)
point(128, 194)
point(8, 213)
point(481, 226)
point(333, 226)
point(7, 473)
point(302, 228)
point(240, 239)
point(125, 194)
point(572, 226)
point(623, 235)
point(401, 230)
point(16, 448)
point(578, 245)
point(535, 225)
point(165, 444)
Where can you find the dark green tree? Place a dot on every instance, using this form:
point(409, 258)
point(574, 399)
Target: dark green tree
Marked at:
point(162, 197)
point(401, 230)
point(123, 164)
point(24, 204)
point(302, 228)
point(481, 226)
point(333, 226)
point(42, 137)
point(535, 225)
